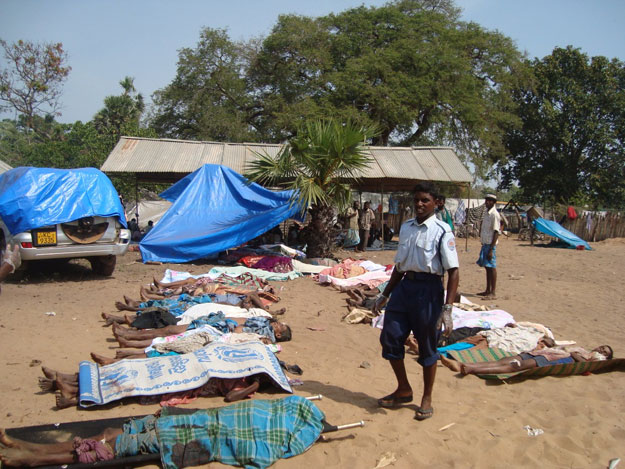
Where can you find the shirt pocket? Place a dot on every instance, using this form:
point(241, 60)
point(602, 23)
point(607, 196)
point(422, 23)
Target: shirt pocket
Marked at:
point(426, 244)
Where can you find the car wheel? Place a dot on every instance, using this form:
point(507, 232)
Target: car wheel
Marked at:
point(103, 265)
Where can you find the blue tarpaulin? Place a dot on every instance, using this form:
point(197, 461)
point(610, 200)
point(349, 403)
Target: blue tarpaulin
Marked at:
point(552, 228)
point(214, 209)
point(35, 197)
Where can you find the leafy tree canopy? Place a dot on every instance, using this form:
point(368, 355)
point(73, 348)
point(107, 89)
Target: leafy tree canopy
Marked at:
point(31, 79)
point(411, 68)
point(570, 146)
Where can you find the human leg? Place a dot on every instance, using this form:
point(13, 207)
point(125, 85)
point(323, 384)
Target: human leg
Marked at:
point(491, 273)
point(15, 452)
point(509, 365)
point(393, 337)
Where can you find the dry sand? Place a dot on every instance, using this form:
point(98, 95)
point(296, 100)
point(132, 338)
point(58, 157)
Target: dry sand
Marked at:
point(578, 294)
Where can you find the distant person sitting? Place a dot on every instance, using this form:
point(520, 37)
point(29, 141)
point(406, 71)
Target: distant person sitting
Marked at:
point(132, 225)
point(388, 233)
point(11, 260)
point(148, 228)
point(536, 358)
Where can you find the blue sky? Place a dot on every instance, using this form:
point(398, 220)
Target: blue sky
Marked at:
point(109, 39)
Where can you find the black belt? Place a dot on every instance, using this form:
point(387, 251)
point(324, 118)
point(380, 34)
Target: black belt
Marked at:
point(410, 275)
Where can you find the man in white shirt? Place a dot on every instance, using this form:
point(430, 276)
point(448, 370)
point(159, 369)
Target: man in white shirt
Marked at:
point(426, 250)
point(489, 234)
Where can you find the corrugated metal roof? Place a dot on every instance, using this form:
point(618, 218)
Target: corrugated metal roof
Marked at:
point(4, 167)
point(397, 168)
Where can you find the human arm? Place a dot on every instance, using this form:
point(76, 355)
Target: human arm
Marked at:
point(578, 357)
point(382, 298)
point(11, 260)
point(453, 278)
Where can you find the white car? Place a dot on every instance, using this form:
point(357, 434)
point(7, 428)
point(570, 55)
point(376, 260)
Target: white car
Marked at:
point(54, 213)
point(98, 239)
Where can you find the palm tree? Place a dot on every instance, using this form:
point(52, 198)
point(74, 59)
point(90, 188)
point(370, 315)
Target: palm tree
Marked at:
point(318, 164)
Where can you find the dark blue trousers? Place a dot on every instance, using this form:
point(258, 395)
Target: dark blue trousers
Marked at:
point(414, 306)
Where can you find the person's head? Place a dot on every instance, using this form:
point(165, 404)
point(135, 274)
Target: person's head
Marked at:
point(490, 200)
point(367, 205)
point(546, 342)
point(440, 201)
point(604, 350)
point(150, 223)
point(134, 220)
point(281, 330)
point(356, 204)
point(425, 194)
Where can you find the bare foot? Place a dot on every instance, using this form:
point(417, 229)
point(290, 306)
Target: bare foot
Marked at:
point(453, 365)
point(483, 293)
point(53, 374)
point(123, 353)
point(102, 360)
point(119, 330)
point(17, 457)
point(46, 384)
point(280, 312)
point(67, 390)
point(7, 441)
point(111, 319)
point(63, 402)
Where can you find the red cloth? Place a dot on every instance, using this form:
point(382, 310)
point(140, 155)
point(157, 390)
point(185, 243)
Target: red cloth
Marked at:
point(571, 214)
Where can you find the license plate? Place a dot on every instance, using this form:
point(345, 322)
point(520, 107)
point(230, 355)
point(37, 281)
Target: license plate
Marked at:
point(44, 237)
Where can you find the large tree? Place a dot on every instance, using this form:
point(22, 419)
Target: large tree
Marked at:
point(31, 79)
point(209, 98)
point(570, 146)
point(315, 164)
point(411, 68)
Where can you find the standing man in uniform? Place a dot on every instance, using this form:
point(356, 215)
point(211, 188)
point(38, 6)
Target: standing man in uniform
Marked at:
point(489, 234)
point(426, 249)
point(364, 225)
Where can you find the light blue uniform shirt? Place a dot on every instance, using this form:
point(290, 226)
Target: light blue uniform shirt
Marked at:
point(418, 247)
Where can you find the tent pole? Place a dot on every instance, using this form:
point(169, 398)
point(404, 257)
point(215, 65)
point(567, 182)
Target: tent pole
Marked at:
point(382, 212)
point(466, 220)
point(137, 198)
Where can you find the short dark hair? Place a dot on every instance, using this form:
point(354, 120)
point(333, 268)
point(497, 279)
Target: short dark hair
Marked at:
point(286, 334)
point(611, 352)
point(428, 188)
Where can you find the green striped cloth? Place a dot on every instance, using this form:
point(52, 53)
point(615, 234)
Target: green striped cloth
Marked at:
point(252, 434)
point(567, 369)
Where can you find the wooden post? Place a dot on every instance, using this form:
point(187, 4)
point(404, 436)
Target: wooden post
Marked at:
point(382, 212)
point(137, 198)
point(466, 219)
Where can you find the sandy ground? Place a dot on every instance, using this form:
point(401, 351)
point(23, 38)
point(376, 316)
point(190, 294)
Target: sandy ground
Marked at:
point(578, 294)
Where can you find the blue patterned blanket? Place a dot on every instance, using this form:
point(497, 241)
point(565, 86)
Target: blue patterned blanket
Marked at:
point(159, 375)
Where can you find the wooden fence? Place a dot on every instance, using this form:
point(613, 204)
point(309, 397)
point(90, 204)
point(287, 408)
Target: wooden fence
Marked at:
point(597, 226)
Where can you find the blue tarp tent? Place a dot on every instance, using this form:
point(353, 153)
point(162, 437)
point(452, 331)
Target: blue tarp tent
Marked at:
point(552, 228)
point(214, 209)
point(35, 197)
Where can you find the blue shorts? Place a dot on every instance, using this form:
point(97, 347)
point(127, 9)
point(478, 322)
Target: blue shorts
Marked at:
point(483, 260)
point(414, 306)
point(541, 360)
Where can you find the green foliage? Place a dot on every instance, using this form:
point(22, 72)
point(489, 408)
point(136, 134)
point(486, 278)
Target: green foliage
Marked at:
point(208, 99)
point(32, 78)
point(315, 164)
point(569, 147)
point(411, 68)
point(120, 111)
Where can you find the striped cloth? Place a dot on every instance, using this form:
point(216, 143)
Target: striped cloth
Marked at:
point(252, 434)
point(567, 369)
